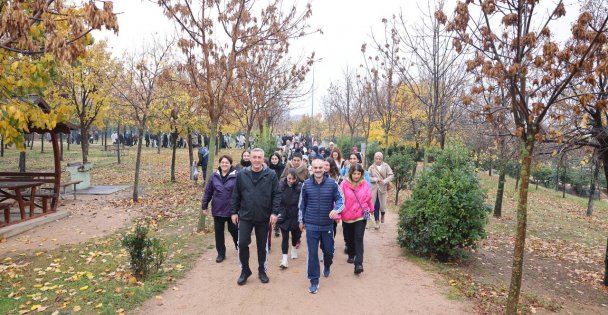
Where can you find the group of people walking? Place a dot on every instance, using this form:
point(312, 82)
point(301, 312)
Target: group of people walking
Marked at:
point(299, 198)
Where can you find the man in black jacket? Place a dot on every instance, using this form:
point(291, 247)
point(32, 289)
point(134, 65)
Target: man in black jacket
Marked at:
point(255, 204)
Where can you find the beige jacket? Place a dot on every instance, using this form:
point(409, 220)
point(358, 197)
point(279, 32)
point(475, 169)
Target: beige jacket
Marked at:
point(380, 176)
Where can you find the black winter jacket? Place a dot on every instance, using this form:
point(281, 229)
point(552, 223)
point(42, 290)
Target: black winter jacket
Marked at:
point(290, 198)
point(255, 201)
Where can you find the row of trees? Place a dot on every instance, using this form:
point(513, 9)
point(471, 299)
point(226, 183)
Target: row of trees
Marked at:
point(494, 75)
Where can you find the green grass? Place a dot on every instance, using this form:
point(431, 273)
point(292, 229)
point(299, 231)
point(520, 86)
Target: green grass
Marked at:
point(95, 272)
point(54, 279)
point(557, 227)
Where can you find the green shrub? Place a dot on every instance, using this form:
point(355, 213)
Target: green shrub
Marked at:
point(446, 211)
point(402, 164)
point(146, 254)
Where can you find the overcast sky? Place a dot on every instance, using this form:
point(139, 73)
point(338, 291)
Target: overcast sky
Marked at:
point(346, 24)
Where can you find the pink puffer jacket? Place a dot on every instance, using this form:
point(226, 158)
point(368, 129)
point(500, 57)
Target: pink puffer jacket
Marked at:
point(352, 210)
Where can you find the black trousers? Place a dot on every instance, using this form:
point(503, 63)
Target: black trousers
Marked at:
point(354, 232)
point(218, 225)
point(295, 237)
point(261, 237)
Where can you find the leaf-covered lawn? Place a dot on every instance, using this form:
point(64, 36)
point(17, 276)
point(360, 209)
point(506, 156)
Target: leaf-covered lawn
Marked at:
point(94, 277)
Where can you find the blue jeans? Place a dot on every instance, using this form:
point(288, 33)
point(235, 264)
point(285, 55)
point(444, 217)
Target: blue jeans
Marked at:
point(314, 235)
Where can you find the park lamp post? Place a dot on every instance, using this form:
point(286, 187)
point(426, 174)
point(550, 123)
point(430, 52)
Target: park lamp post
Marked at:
point(312, 100)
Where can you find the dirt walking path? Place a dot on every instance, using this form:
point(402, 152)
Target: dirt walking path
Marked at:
point(390, 284)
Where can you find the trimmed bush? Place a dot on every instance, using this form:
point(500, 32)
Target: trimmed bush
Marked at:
point(446, 211)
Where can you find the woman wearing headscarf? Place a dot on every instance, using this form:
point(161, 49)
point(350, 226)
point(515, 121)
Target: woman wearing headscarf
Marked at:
point(381, 175)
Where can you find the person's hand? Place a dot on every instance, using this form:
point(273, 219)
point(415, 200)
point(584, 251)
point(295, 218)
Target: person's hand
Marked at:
point(273, 218)
point(333, 214)
point(302, 227)
point(385, 181)
point(235, 219)
point(204, 212)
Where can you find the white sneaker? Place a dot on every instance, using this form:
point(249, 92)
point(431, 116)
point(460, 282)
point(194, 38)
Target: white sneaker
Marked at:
point(294, 252)
point(283, 264)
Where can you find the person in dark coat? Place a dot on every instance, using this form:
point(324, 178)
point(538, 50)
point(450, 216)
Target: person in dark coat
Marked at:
point(276, 164)
point(219, 193)
point(255, 205)
point(288, 215)
point(245, 161)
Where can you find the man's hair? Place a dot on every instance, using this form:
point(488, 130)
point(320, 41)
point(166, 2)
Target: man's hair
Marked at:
point(318, 161)
point(258, 150)
point(296, 155)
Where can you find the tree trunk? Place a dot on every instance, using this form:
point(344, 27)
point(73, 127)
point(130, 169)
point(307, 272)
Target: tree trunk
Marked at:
point(105, 139)
point(190, 153)
point(60, 146)
point(397, 189)
point(41, 143)
point(522, 216)
point(22, 162)
point(559, 164)
point(69, 139)
point(212, 138)
point(517, 176)
point(490, 170)
point(32, 138)
point(500, 192)
point(117, 144)
point(173, 156)
point(606, 265)
point(386, 142)
point(138, 165)
point(84, 144)
point(2, 146)
point(247, 143)
point(596, 173)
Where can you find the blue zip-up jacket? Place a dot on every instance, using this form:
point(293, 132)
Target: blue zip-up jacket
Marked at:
point(318, 200)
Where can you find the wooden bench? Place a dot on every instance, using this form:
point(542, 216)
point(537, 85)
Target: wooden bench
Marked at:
point(72, 182)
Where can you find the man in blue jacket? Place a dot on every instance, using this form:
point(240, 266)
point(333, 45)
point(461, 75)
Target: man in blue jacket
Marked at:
point(256, 199)
point(321, 201)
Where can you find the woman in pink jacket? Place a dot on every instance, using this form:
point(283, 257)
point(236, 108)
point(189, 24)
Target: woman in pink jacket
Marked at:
point(357, 205)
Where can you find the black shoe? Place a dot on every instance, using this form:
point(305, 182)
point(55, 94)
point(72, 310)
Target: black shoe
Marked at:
point(263, 277)
point(220, 258)
point(358, 269)
point(346, 250)
point(243, 278)
point(350, 260)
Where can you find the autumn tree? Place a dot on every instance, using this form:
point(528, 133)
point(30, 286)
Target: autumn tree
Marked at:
point(36, 37)
point(380, 78)
point(218, 38)
point(267, 83)
point(534, 70)
point(85, 88)
point(346, 99)
point(431, 69)
point(583, 123)
point(138, 88)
